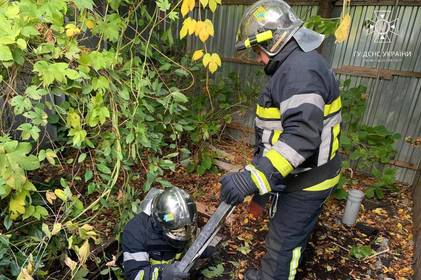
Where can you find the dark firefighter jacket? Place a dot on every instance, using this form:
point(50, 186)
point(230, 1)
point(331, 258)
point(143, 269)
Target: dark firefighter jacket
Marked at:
point(298, 122)
point(145, 249)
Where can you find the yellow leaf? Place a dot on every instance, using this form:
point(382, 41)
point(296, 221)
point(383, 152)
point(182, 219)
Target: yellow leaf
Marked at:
point(26, 272)
point(203, 35)
point(90, 23)
point(213, 66)
point(70, 263)
point(204, 3)
point(83, 252)
point(342, 31)
point(46, 230)
point(212, 5)
point(189, 26)
point(187, 6)
point(206, 59)
point(197, 55)
point(50, 155)
point(198, 27)
point(60, 194)
point(183, 31)
point(184, 8)
point(216, 59)
point(209, 27)
point(56, 228)
point(71, 30)
point(17, 204)
point(379, 211)
point(73, 120)
point(50, 197)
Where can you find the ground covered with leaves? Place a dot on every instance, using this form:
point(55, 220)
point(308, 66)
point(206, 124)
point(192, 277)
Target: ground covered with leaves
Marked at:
point(379, 246)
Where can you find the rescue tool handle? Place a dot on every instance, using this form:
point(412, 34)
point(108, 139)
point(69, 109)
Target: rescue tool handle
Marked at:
point(205, 236)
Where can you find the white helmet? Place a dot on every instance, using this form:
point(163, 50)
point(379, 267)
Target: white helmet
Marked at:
point(270, 24)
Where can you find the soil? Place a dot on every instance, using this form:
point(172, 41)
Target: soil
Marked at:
point(385, 225)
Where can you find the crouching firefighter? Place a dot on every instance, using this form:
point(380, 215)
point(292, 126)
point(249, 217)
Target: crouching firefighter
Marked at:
point(297, 126)
point(157, 237)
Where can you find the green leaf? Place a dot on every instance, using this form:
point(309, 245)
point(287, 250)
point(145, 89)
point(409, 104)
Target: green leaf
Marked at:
point(20, 104)
point(179, 97)
point(84, 4)
point(28, 131)
point(21, 44)
point(40, 212)
point(5, 53)
point(103, 168)
point(88, 175)
point(79, 135)
point(361, 252)
point(213, 271)
point(81, 158)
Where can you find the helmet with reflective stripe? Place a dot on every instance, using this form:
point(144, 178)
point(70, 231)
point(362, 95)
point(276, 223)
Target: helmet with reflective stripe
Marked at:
point(269, 24)
point(176, 212)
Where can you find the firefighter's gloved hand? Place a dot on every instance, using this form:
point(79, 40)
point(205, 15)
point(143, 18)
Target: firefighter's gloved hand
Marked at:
point(170, 272)
point(236, 186)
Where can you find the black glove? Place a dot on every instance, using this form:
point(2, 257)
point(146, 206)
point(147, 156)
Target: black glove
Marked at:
point(170, 272)
point(236, 186)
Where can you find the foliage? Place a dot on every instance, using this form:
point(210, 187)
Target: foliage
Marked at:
point(361, 252)
point(367, 148)
point(324, 26)
point(120, 112)
point(213, 271)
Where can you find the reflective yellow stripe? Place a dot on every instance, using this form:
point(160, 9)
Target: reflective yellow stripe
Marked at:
point(259, 179)
point(296, 253)
point(268, 113)
point(155, 262)
point(327, 184)
point(333, 107)
point(264, 36)
point(155, 274)
point(247, 43)
point(275, 138)
point(178, 256)
point(335, 144)
point(140, 275)
point(279, 162)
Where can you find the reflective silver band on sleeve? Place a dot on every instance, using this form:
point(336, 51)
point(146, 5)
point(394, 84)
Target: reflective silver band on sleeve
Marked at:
point(300, 99)
point(139, 256)
point(270, 125)
point(289, 153)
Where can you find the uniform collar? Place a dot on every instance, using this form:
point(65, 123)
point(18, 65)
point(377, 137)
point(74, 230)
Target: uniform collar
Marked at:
point(276, 61)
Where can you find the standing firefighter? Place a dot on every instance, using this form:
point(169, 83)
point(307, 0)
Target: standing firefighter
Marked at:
point(158, 236)
point(298, 122)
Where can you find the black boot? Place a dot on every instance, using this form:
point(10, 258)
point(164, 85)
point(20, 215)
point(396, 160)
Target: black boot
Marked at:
point(251, 274)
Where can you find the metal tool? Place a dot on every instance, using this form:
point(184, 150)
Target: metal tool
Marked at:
point(205, 236)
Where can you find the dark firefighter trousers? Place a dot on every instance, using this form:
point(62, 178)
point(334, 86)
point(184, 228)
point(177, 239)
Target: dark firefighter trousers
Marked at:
point(289, 231)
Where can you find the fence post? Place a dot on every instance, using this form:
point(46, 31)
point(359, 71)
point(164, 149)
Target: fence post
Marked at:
point(416, 214)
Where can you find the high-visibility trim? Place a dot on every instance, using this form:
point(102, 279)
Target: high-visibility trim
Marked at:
point(270, 125)
point(289, 153)
point(268, 112)
point(279, 162)
point(266, 135)
point(155, 262)
point(140, 275)
point(247, 43)
point(139, 256)
point(335, 144)
point(326, 137)
point(293, 265)
point(264, 36)
point(259, 179)
point(327, 184)
point(300, 99)
point(333, 107)
point(155, 274)
point(178, 256)
point(275, 137)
